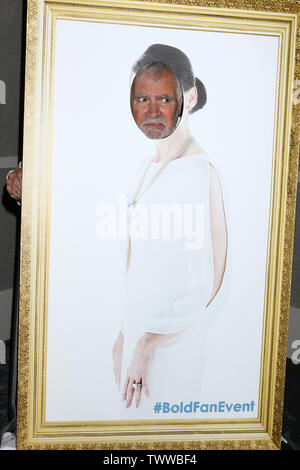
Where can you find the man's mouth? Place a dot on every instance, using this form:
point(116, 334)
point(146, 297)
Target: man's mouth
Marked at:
point(154, 128)
point(154, 124)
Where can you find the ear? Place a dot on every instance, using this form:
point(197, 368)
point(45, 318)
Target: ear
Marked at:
point(191, 98)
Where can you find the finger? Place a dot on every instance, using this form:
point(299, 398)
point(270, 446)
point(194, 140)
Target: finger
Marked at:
point(138, 393)
point(15, 178)
point(18, 194)
point(13, 190)
point(117, 378)
point(12, 179)
point(9, 186)
point(145, 386)
point(13, 194)
point(124, 393)
point(18, 185)
point(115, 368)
point(130, 393)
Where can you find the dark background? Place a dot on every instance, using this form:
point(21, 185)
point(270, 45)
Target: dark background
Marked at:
point(12, 61)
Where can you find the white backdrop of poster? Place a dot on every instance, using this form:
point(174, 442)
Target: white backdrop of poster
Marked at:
point(96, 147)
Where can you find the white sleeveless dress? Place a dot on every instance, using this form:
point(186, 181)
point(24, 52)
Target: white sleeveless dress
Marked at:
point(169, 283)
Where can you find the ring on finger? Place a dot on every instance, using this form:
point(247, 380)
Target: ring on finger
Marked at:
point(135, 386)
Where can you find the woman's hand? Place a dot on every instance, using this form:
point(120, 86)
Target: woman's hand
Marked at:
point(137, 373)
point(117, 353)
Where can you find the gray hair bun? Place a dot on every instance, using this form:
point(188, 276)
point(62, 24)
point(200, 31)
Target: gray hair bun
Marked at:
point(179, 63)
point(202, 95)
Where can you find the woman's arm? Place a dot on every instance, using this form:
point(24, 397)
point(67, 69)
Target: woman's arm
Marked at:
point(117, 354)
point(218, 230)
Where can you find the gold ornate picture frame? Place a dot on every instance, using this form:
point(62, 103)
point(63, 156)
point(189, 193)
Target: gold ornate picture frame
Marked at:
point(50, 52)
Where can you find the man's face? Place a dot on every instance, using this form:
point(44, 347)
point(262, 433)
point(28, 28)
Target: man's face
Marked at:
point(154, 103)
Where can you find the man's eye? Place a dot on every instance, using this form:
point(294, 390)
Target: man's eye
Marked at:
point(141, 99)
point(165, 100)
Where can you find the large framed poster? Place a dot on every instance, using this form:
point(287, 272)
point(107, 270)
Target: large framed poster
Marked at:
point(159, 183)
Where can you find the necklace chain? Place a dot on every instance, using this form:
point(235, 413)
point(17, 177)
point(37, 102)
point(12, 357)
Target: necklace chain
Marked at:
point(139, 193)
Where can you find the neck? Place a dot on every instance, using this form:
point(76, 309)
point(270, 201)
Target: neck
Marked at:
point(168, 147)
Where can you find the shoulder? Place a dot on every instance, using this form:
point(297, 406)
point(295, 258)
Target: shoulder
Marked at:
point(200, 160)
point(213, 174)
point(202, 166)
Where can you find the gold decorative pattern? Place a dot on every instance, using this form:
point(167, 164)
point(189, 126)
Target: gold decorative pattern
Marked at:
point(33, 434)
point(288, 242)
point(25, 305)
point(281, 6)
point(163, 445)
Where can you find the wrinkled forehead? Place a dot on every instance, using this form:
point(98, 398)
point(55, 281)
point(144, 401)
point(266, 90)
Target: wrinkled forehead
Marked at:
point(157, 76)
point(151, 78)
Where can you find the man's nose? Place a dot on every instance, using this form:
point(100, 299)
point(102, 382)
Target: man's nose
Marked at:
point(153, 109)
